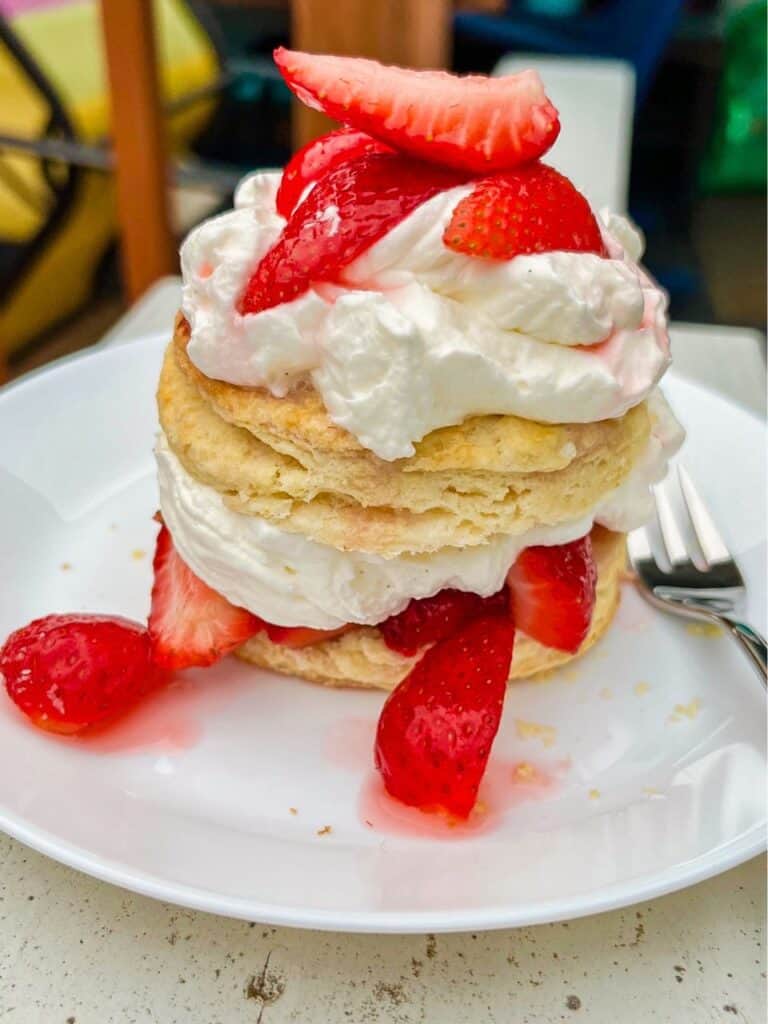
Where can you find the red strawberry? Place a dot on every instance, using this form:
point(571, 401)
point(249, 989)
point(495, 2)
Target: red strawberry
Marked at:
point(190, 623)
point(69, 672)
point(429, 619)
point(436, 729)
point(475, 123)
point(351, 207)
point(301, 636)
point(318, 157)
point(531, 209)
point(553, 593)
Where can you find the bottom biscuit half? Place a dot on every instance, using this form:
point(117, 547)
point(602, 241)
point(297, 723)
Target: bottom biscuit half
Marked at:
point(361, 658)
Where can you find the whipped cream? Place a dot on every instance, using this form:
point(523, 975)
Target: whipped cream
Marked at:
point(291, 581)
point(417, 337)
point(631, 504)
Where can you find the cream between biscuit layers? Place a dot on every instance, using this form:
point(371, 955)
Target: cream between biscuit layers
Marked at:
point(290, 580)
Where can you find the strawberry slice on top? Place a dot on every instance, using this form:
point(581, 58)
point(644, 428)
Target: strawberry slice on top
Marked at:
point(473, 123)
point(352, 206)
point(528, 210)
point(436, 729)
point(190, 624)
point(317, 158)
point(553, 592)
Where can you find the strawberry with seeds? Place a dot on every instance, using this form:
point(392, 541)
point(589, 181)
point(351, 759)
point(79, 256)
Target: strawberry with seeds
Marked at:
point(426, 620)
point(436, 729)
point(68, 673)
point(317, 158)
point(351, 207)
point(190, 623)
point(475, 124)
point(553, 593)
point(531, 209)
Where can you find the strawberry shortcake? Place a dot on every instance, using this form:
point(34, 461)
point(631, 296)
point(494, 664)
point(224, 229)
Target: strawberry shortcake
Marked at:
point(408, 414)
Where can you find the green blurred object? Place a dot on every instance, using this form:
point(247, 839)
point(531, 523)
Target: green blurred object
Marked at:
point(736, 160)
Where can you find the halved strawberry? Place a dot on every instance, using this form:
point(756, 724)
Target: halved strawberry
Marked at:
point(553, 593)
point(351, 207)
point(436, 729)
point(429, 619)
point(189, 622)
point(531, 209)
point(473, 123)
point(302, 636)
point(70, 672)
point(318, 157)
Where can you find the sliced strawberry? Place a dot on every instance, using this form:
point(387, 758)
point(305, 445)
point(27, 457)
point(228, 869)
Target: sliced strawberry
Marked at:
point(429, 619)
point(436, 729)
point(476, 124)
point(351, 207)
point(302, 636)
point(553, 593)
point(189, 622)
point(318, 157)
point(531, 209)
point(70, 672)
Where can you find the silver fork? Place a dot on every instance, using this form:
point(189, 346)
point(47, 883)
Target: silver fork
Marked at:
point(707, 590)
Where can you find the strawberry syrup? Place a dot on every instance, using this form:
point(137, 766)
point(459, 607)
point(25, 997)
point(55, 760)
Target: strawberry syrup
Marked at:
point(168, 721)
point(507, 784)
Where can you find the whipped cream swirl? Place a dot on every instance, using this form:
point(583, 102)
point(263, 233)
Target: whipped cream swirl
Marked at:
point(415, 336)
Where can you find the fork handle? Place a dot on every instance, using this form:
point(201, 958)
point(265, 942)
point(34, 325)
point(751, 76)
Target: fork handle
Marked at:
point(752, 643)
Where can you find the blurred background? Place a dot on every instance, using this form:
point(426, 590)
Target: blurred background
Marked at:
point(125, 122)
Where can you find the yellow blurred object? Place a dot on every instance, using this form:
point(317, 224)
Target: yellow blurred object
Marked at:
point(65, 240)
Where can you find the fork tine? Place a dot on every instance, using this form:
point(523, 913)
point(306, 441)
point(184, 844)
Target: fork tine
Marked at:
point(711, 543)
point(639, 546)
point(670, 531)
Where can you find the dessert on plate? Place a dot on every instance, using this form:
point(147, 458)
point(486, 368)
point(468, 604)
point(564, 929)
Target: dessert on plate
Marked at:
point(409, 411)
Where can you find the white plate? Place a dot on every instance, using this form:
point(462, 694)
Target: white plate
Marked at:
point(190, 799)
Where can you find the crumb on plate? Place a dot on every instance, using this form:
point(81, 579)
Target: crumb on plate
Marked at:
point(535, 730)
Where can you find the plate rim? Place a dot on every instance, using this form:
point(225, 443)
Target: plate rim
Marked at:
point(736, 851)
point(750, 844)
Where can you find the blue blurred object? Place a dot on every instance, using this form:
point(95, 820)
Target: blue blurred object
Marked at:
point(633, 30)
point(556, 8)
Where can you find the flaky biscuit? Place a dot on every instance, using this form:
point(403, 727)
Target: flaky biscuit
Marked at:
point(362, 503)
point(298, 425)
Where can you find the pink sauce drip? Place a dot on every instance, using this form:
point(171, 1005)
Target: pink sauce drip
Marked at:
point(507, 784)
point(169, 721)
point(501, 790)
point(611, 350)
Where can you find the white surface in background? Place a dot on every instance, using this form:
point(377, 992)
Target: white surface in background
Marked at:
point(595, 99)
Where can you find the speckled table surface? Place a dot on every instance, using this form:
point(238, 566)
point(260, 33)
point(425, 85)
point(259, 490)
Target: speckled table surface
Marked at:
point(77, 951)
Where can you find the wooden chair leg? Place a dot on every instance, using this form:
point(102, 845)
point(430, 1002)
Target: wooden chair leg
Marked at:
point(415, 33)
point(148, 248)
